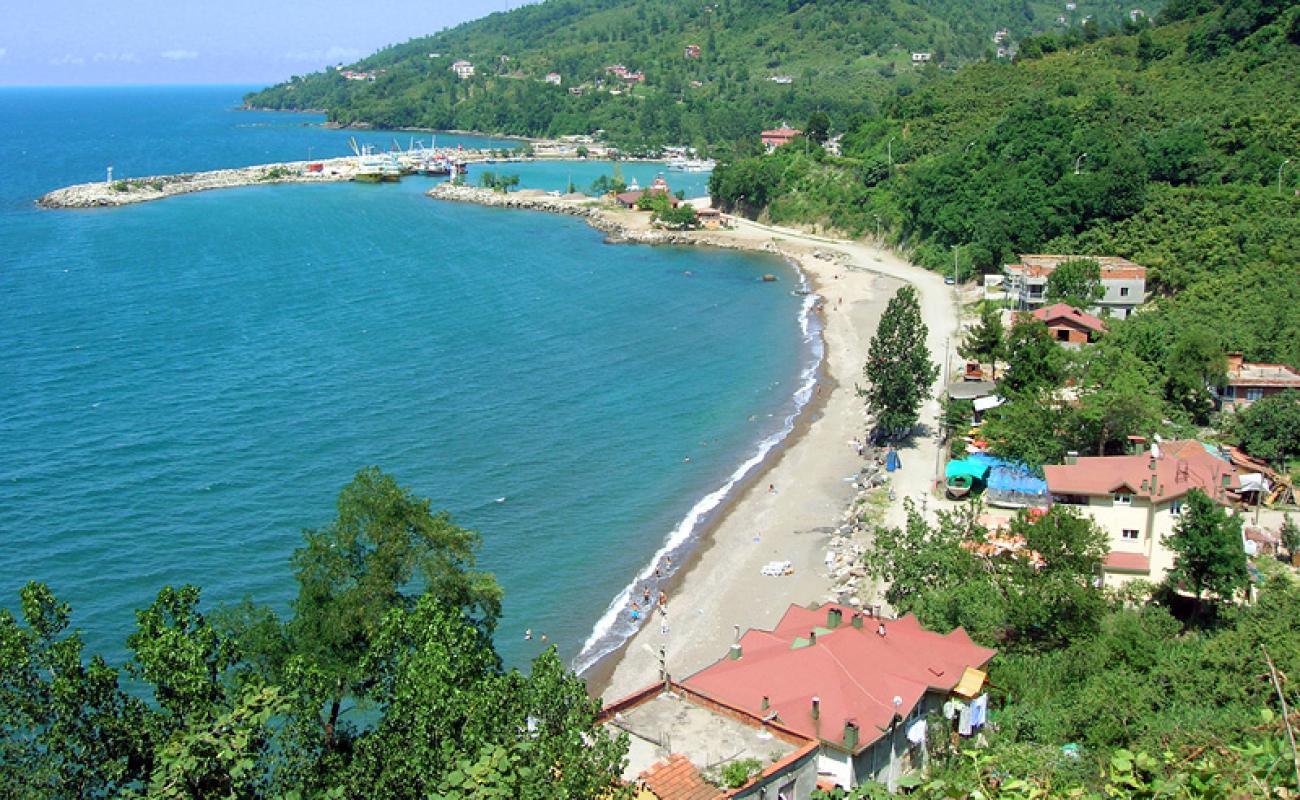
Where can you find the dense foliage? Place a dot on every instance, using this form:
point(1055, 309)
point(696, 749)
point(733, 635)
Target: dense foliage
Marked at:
point(384, 684)
point(839, 56)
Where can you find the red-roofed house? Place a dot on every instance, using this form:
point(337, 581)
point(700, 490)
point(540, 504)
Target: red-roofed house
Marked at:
point(629, 199)
point(1248, 382)
point(1070, 326)
point(859, 686)
point(778, 136)
point(1138, 500)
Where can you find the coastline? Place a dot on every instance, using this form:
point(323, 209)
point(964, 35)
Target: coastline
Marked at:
point(813, 516)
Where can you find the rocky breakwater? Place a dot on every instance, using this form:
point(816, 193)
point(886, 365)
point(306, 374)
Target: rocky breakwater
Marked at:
point(139, 190)
point(618, 224)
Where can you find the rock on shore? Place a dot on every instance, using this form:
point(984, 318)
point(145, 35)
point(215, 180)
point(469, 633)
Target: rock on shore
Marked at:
point(140, 190)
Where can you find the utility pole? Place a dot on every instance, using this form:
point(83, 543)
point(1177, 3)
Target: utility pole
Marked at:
point(1279, 176)
point(889, 148)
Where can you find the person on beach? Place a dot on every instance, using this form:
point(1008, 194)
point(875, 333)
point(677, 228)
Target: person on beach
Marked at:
point(636, 612)
point(528, 635)
point(645, 594)
point(663, 603)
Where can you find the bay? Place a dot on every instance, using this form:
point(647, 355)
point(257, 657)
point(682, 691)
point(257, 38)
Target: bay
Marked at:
point(186, 384)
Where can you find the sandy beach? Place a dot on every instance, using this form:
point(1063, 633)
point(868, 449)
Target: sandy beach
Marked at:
point(790, 509)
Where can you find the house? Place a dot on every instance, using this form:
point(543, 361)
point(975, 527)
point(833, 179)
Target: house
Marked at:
point(1123, 282)
point(692, 51)
point(778, 136)
point(553, 78)
point(1001, 36)
point(1138, 499)
point(1071, 6)
point(1070, 326)
point(1249, 381)
point(784, 80)
point(921, 58)
point(710, 218)
point(630, 198)
point(576, 91)
point(674, 733)
point(1136, 14)
point(860, 686)
point(463, 69)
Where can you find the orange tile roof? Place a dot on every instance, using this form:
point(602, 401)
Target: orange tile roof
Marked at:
point(1127, 562)
point(677, 779)
point(1182, 465)
point(855, 673)
point(1068, 313)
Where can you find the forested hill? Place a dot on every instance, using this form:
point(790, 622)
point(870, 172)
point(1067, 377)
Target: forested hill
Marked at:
point(839, 56)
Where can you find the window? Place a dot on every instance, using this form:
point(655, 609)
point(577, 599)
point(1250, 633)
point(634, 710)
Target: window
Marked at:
point(1254, 394)
point(1122, 499)
point(1062, 335)
point(1176, 508)
point(1123, 291)
point(786, 792)
point(1129, 535)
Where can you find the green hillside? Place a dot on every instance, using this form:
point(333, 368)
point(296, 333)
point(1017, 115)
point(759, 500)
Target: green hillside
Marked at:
point(1183, 145)
point(840, 56)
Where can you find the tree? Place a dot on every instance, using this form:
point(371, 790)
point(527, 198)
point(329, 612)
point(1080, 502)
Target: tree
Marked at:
point(1115, 400)
point(1030, 428)
point(1034, 360)
point(1076, 282)
point(986, 341)
point(899, 372)
point(1270, 427)
point(1207, 547)
point(817, 129)
point(385, 549)
point(67, 730)
point(1194, 367)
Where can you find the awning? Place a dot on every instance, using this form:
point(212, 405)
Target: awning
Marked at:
point(971, 683)
point(966, 468)
point(985, 403)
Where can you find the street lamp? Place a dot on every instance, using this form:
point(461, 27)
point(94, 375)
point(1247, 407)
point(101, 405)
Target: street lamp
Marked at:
point(954, 267)
point(877, 227)
point(1280, 167)
point(1079, 161)
point(889, 147)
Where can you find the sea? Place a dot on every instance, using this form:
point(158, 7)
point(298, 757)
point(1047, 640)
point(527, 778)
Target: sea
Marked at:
point(185, 385)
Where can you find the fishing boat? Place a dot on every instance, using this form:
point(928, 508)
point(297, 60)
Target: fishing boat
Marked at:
point(960, 477)
point(370, 167)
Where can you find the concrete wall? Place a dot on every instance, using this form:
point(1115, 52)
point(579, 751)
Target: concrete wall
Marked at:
point(794, 781)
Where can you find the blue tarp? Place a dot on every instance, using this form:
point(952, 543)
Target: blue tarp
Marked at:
point(1011, 484)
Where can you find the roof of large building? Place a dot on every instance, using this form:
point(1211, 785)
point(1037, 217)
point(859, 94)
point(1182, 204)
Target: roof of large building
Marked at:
point(1180, 466)
point(1064, 312)
point(786, 133)
point(857, 674)
point(1247, 373)
point(1112, 267)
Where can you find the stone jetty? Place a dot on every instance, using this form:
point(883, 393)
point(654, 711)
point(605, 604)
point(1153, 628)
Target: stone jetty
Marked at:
point(139, 190)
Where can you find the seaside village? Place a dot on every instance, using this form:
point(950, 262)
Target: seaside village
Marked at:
point(845, 692)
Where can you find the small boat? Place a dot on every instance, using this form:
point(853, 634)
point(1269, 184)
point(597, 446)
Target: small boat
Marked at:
point(958, 486)
point(699, 165)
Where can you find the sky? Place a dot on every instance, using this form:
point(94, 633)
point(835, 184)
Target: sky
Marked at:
point(98, 42)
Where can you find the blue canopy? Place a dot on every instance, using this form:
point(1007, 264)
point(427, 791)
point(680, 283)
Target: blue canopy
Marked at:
point(1012, 484)
point(966, 468)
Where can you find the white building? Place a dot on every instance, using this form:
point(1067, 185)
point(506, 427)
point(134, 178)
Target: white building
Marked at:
point(920, 58)
point(463, 69)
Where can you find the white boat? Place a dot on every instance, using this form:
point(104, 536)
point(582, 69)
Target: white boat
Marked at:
point(699, 165)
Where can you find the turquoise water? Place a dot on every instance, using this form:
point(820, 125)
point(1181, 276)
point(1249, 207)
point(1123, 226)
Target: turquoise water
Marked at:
point(186, 384)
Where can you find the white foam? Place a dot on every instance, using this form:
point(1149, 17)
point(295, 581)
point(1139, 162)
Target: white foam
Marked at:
point(613, 628)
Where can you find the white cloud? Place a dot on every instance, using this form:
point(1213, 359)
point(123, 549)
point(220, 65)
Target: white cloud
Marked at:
point(179, 55)
point(125, 58)
point(67, 59)
point(331, 55)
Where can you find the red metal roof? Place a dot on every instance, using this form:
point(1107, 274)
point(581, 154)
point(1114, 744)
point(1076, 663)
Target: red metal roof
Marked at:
point(1182, 466)
point(1064, 312)
point(677, 779)
point(1127, 562)
point(854, 672)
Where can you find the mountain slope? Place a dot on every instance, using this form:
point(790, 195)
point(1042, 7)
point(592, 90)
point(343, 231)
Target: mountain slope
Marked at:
point(840, 56)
